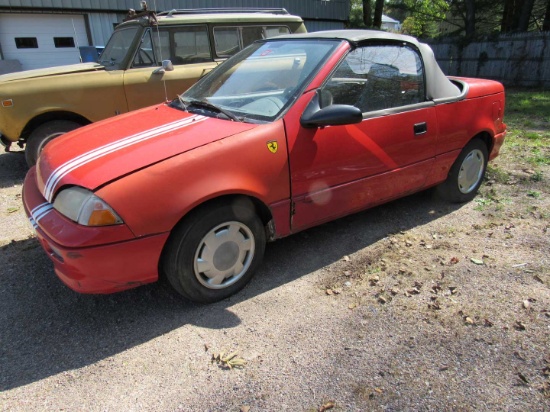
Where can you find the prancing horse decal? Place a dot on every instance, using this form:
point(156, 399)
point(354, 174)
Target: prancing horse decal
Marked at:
point(272, 146)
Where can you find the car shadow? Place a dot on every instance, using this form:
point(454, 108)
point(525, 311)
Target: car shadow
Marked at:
point(48, 329)
point(13, 168)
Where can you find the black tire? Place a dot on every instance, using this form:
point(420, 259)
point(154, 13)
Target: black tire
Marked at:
point(466, 174)
point(44, 133)
point(237, 243)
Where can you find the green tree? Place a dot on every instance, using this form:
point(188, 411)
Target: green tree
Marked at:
point(423, 15)
point(362, 16)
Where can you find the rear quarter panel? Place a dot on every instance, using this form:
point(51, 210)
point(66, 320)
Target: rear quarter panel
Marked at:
point(481, 111)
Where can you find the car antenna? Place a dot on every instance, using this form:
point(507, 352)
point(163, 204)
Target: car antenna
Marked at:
point(144, 7)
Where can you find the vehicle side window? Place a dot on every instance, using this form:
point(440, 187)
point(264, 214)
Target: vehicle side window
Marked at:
point(182, 45)
point(377, 77)
point(145, 55)
point(227, 40)
point(191, 45)
point(230, 40)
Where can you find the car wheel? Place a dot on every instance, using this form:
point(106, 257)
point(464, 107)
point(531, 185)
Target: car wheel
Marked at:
point(466, 174)
point(43, 134)
point(214, 252)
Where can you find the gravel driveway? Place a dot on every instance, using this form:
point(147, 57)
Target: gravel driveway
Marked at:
point(415, 305)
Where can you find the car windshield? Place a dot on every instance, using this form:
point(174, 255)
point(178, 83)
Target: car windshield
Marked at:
point(117, 48)
point(259, 83)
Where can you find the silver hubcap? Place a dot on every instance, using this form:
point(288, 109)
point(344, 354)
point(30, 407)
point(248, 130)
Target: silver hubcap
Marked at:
point(471, 171)
point(224, 255)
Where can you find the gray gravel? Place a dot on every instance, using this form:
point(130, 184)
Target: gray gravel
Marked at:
point(311, 324)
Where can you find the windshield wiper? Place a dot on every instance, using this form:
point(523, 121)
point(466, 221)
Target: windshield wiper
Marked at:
point(209, 106)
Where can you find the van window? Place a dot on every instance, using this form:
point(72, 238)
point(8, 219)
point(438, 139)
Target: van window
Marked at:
point(230, 40)
point(182, 45)
point(191, 45)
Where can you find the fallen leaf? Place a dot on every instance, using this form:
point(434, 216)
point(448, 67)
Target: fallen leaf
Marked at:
point(519, 355)
point(519, 326)
point(326, 406)
point(374, 280)
point(477, 261)
point(13, 209)
point(522, 377)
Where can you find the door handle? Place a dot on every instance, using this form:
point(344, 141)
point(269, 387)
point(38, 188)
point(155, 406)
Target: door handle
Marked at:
point(420, 128)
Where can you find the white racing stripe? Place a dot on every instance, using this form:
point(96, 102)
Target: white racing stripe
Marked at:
point(99, 152)
point(39, 212)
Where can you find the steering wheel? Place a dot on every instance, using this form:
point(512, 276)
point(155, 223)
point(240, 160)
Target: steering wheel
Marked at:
point(144, 58)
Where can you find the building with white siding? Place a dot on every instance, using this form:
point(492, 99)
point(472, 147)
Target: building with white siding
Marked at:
point(43, 33)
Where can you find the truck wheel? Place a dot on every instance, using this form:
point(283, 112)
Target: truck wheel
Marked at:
point(214, 253)
point(466, 174)
point(40, 136)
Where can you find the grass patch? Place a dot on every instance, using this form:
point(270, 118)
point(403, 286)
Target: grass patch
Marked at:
point(537, 176)
point(497, 174)
point(527, 109)
point(539, 157)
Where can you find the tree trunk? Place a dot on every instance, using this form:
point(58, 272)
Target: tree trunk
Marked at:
point(506, 23)
point(367, 13)
point(470, 18)
point(546, 23)
point(378, 9)
point(525, 15)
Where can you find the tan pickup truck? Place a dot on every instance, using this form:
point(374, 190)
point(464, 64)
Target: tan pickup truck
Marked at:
point(148, 59)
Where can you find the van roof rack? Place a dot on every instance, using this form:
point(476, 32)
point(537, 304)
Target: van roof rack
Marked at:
point(224, 10)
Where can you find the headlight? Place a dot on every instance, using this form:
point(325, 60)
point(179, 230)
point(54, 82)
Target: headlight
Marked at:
point(82, 206)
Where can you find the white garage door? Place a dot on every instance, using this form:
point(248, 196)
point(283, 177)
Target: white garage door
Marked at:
point(42, 40)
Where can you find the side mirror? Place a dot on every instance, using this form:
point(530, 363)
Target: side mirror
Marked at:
point(167, 66)
point(333, 115)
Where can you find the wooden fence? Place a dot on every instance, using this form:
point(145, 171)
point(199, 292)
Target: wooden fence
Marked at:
point(521, 59)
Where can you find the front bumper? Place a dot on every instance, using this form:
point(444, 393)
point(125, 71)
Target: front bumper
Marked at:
point(91, 260)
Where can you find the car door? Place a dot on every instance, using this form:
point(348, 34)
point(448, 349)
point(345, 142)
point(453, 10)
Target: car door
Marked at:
point(337, 170)
point(187, 47)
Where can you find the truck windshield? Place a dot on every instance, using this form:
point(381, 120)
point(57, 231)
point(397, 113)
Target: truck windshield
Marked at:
point(116, 50)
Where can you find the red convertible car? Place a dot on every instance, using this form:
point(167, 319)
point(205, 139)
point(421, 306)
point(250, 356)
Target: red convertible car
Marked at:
point(291, 132)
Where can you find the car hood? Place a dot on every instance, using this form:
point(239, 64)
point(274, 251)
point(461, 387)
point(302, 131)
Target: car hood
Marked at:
point(102, 152)
point(51, 71)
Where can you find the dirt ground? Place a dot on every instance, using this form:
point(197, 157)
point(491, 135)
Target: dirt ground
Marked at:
point(414, 305)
